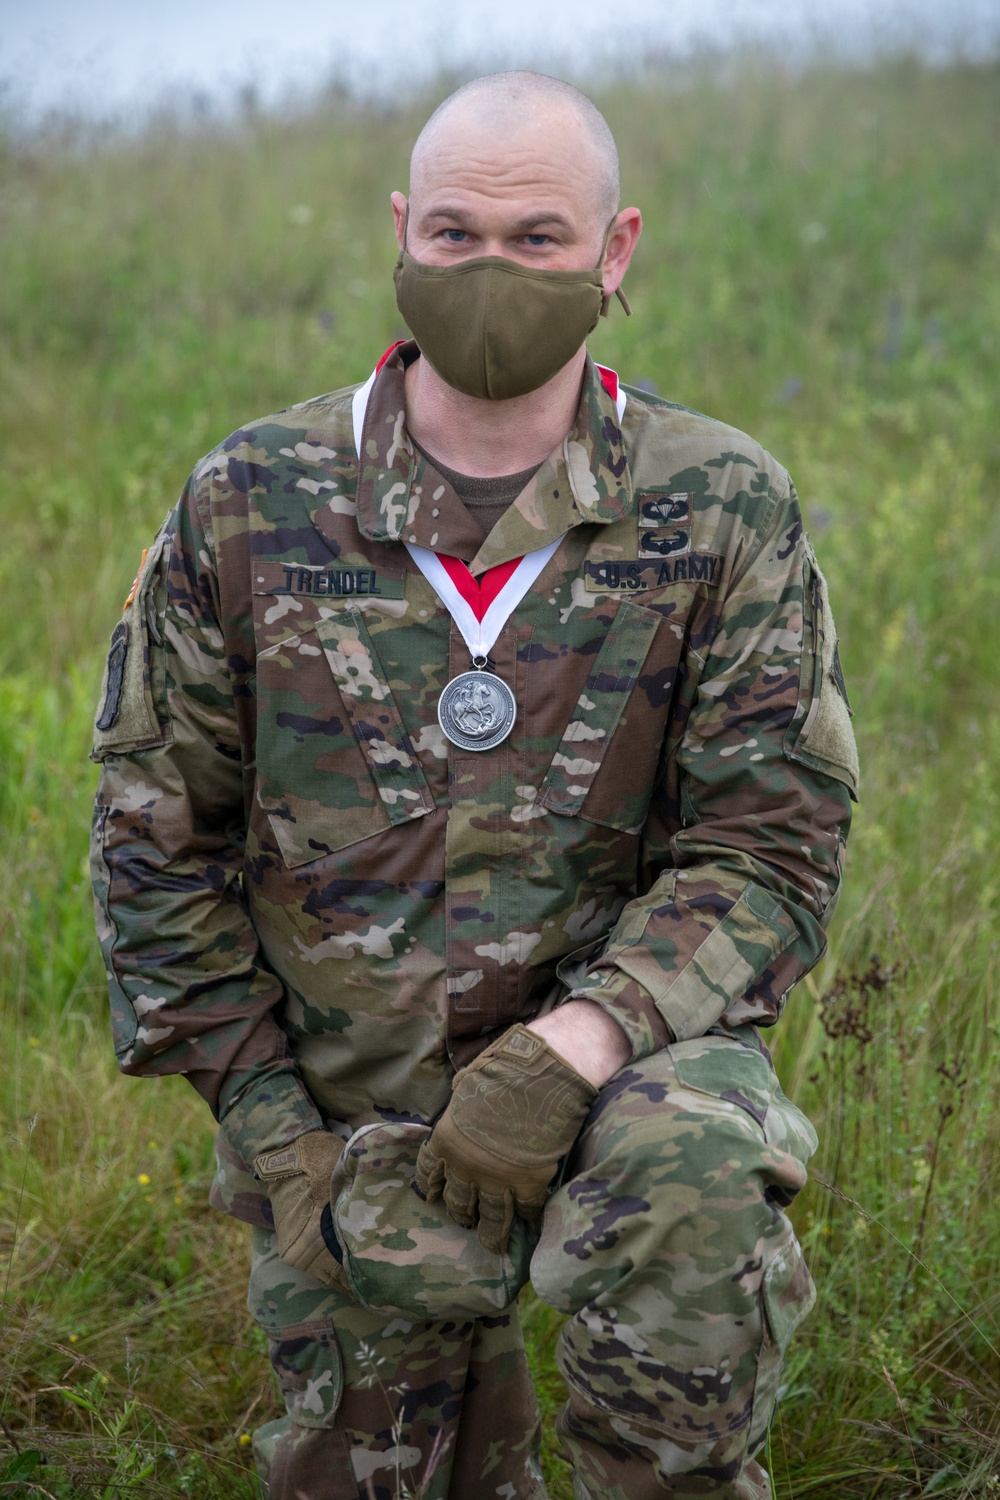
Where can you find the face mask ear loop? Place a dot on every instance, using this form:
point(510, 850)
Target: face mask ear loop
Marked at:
point(406, 227)
point(606, 299)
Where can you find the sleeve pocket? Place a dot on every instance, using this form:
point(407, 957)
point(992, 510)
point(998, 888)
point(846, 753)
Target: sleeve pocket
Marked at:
point(329, 727)
point(133, 707)
point(820, 735)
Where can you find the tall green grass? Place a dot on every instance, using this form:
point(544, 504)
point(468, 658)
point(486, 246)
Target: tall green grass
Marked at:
point(821, 266)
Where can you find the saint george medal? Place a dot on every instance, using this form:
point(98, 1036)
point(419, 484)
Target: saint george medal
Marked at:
point(477, 709)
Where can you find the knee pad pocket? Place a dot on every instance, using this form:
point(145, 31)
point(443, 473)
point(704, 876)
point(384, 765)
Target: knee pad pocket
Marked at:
point(741, 1077)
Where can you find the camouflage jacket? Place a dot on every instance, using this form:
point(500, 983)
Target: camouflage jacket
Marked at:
point(316, 907)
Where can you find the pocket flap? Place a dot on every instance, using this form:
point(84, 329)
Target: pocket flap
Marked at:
point(346, 754)
point(598, 714)
point(375, 719)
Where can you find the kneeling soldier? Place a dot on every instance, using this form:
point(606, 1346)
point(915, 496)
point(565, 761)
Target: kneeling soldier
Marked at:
point(476, 777)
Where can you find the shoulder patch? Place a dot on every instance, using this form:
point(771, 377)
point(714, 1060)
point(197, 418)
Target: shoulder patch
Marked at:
point(115, 674)
point(133, 714)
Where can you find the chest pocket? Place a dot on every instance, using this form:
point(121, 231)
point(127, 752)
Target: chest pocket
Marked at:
point(605, 764)
point(329, 728)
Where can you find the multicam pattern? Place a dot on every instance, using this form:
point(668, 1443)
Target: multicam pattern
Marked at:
point(666, 1246)
point(373, 1399)
point(316, 908)
point(401, 1252)
point(682, 1276)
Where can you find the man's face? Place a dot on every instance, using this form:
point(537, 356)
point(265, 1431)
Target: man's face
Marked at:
point(530, 194)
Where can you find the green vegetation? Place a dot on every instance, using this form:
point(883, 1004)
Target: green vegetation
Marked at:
point(821, 266)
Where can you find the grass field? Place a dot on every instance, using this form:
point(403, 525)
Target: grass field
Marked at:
point(821, 266)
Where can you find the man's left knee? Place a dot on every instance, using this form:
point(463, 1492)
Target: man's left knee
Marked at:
point(683, 1168)
point(669, 1246)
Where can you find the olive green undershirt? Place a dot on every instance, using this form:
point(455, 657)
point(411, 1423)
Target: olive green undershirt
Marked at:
point(485, 499)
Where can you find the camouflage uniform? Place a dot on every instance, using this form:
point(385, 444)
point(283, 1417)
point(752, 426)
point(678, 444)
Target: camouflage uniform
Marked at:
point(316, 908)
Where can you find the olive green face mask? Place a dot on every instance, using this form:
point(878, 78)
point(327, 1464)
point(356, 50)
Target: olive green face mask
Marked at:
point(493, 328)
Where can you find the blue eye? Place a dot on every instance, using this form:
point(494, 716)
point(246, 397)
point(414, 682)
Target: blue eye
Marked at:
point(537, 239)
point(456, 236)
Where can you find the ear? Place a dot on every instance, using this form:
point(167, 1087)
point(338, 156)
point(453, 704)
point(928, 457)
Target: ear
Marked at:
point(399, 210)
point(622, 241)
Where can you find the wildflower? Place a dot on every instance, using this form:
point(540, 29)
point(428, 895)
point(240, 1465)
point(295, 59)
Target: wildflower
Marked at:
point(245, 1439)
point(33, 1041)
point(144, 1179)
point(74, 1338)
point(154, 1145)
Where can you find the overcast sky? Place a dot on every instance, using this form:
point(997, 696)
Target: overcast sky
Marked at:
point(103, 55)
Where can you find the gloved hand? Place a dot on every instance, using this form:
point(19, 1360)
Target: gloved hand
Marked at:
point(513, 1113)
point(297, 1179)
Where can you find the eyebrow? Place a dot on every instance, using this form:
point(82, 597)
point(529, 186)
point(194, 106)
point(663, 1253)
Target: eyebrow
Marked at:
point(527, 225)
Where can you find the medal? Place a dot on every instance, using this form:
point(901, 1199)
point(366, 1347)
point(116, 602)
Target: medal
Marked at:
point(476, 710)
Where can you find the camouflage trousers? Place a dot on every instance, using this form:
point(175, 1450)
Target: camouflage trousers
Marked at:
point(666, 1246)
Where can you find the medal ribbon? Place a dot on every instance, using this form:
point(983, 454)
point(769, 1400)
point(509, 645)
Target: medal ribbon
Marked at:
point(480, 608)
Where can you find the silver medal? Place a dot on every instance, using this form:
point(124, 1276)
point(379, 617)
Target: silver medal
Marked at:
point(476, 711)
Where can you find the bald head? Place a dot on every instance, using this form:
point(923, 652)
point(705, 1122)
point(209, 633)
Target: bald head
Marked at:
point(526, 113)
point(520, 166)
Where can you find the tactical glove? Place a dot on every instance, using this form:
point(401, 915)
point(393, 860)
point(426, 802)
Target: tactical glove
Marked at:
point(297, 1179)
point(513, 1113)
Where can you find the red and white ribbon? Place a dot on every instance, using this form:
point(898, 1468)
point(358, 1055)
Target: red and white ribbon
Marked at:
point(480, 608)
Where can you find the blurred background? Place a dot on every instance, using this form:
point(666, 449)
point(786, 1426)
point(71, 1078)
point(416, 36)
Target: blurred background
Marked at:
point(121, 57)
point(194, 230)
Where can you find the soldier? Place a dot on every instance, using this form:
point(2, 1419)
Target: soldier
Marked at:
point(476, 777)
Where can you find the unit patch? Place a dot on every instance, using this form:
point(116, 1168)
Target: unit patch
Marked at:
point(664, 510)
point(614, 577)
point(837, 673)
point(111, 707)
point(665, 544)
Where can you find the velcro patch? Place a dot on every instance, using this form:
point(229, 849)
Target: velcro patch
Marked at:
point(664, 510)
point(331, 582)
point(703, 568)
point(521, 1043)
point(665, 543)
point(111, 707)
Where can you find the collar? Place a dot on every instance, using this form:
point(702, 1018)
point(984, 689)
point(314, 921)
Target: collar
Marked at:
point(401, 497)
